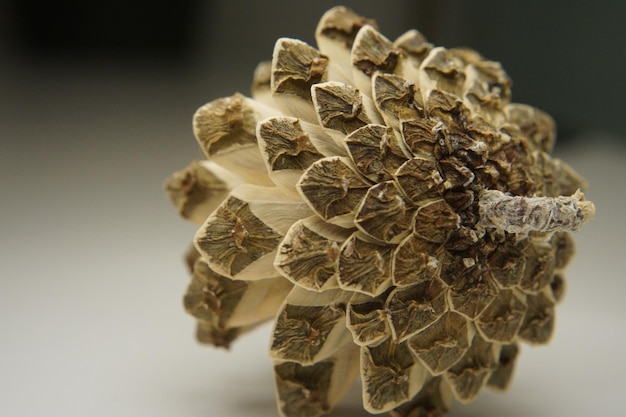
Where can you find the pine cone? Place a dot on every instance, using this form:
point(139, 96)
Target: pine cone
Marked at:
point(390, 208)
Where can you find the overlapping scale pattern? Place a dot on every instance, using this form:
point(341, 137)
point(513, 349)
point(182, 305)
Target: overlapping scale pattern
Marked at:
point(390, 209)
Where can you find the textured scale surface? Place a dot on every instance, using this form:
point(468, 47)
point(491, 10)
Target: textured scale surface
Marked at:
point(390, 209)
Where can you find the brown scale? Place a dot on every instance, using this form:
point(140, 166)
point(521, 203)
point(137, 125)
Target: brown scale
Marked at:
point(397, 98)
point(433, 400)
point(471, 373)
point(446, 107)
point(544, 176)
point(557, 286)
point(304, 388)
point(211, 295)
point(445, 70)
point(472, 152)
point(223, 123)
point(191, 256)
point(456, 172)
point(420, 178)
point(471, 288)
point(340, 107)
point(207, 333)
point(412, 309)
point(262, 80)
point(301, 332)
point(390, 375)
point(365, 266)
point(223, 304)
point(534, 124)
point(507, 265)
point(463, 202)
point(415, 45)
point(478, 128)
point(538, 324)
point(287, 146)
point(554, 176)
point(514, 160)
point(374, 53)
point(367, 319)
point(196, 191)
point(375, 151)
point(422, 135)
point(462, 239)
point(436, 220)
point(332, 187)
point(490, 174)
point(564, 249)
point(313, 390)
point(488, 89)
point(342, 25)
point(385, 214)
point(501, 321)
point(501, 376)
point(442, 344)
point(296, 68)
point(539, 267)
point(416, 260)
point(466, 55)
point(308, 257)
point(236, 237)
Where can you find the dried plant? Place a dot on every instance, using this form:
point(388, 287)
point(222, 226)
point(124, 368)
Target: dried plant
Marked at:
point(390, 209)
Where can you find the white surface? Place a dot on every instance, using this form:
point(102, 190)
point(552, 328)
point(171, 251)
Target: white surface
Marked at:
point(91, 275)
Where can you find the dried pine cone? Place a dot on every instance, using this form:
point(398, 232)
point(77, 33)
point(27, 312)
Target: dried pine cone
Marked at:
point(390, 208)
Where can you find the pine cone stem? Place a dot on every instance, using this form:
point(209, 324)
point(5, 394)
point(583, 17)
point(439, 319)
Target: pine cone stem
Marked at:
point(522, 215)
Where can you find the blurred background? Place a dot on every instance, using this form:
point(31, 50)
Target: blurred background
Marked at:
point(96, 100)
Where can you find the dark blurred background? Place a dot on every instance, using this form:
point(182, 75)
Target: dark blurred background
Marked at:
point(567, 57)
